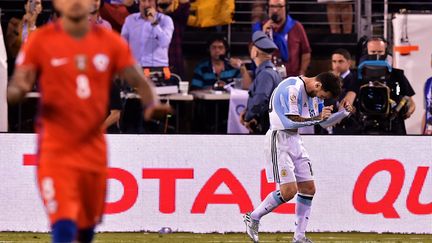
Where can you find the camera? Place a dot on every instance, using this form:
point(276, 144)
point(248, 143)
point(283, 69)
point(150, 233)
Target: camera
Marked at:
point(375, 104)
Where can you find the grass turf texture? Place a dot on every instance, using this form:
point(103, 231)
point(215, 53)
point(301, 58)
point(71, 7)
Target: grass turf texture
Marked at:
point(230, 237)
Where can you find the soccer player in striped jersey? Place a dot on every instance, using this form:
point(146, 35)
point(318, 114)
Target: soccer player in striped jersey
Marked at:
point(295, 103)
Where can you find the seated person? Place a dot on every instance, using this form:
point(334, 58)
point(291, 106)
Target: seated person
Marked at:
point(218, 69)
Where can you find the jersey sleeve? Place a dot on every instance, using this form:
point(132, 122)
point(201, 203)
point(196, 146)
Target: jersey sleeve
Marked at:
point(28, 55)
point(123, 56)
point(290, 102)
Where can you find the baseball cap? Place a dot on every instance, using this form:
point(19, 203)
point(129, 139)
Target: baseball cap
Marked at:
point(263, 42)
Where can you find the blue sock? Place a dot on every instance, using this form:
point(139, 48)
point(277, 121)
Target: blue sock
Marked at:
point(64, 231)
point(85, 235)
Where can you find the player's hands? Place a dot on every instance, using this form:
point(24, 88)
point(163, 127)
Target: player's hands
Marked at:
point(326, 112)
point(157, 111)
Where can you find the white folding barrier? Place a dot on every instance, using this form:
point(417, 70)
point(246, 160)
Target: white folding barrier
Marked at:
point(201, 183)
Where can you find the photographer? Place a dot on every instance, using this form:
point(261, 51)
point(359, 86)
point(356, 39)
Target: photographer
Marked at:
point(399, 87)
point(149, 33)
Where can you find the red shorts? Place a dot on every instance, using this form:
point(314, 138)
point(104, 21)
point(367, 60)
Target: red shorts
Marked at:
point(74, 194)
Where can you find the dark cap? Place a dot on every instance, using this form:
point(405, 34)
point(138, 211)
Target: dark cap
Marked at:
point(263, 42)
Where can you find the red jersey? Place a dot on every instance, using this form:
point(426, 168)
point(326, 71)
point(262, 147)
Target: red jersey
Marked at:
point(75, 77)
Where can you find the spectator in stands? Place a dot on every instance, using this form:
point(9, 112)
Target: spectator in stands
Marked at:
point(149, 33)
point(3, 85)
point(258, 11)
point(256, 117)
point(427, 116)
point(397, 82)
point(339, 12)
point(115, 12)
point(179, 12)
point(18, 30)
point(95, 15)
point(218, 69)
point(289, 36)
point(111, 123)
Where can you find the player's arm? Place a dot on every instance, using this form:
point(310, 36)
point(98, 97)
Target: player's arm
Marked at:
point(326, 112)
point(145, 89)
point(296, 118)
point(296, 121)
point(21, 83)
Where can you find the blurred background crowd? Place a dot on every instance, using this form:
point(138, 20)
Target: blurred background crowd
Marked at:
point(201, 56)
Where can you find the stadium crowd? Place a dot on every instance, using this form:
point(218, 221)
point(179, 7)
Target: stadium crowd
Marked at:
point(154, 30)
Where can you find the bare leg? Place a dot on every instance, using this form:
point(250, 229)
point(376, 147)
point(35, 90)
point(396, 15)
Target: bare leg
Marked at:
point(347, 17)
point(332, 17)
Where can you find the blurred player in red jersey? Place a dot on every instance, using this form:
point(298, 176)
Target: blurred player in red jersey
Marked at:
point(74, 62)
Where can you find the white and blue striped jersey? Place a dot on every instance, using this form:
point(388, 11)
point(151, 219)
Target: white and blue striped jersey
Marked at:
point(290, 98)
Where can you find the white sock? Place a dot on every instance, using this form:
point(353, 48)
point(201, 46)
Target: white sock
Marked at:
point(272, 201)
point(303, 208)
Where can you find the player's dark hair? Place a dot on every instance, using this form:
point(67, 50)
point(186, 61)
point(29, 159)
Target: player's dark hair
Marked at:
point(342, 52)
point(330, 83)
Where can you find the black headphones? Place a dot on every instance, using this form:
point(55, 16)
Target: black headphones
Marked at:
point(362, 50)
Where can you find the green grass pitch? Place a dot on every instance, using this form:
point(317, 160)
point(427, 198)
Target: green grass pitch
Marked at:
point(230, 237)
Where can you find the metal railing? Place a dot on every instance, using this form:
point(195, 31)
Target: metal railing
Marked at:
point(374, 18)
